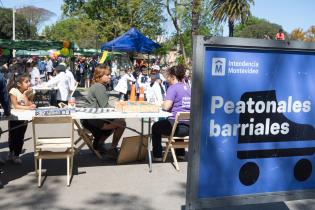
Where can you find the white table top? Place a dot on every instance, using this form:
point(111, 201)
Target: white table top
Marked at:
point(39, 88)
point(29, 114)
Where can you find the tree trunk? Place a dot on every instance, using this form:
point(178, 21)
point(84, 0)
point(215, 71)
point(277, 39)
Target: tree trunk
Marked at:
point(196, 8)
point(231, 27)
point(176, 23)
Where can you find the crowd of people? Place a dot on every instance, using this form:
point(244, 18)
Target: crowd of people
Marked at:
point(169, 89)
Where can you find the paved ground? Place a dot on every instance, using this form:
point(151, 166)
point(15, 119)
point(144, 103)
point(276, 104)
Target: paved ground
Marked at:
point(101, 184)
point(96, 184)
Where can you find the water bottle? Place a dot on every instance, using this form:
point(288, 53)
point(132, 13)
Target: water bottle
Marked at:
point(71, 103)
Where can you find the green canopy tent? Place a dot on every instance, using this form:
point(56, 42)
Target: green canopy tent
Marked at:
point(40, 53)
point(31, 44)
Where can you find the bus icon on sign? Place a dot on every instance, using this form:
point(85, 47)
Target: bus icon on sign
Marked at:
point(218, 66)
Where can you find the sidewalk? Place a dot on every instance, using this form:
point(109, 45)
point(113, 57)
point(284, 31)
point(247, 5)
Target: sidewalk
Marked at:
point(101, 184)
point(96, 184)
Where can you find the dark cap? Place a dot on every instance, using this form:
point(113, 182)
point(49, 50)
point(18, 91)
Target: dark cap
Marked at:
point(60, 68)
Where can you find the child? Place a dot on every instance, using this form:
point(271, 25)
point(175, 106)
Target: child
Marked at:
point(123, 86)
point(19, 100)
point(101, 129)
point(143, 80)
point(155, 92)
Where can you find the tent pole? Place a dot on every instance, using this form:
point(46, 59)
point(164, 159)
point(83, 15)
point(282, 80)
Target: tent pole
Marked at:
point(148, 60)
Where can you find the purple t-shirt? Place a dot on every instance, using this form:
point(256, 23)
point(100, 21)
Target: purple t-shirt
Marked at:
point(180, 94)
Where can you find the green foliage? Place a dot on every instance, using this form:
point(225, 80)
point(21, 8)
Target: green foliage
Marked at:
point(206, 26)
point(35, 17)
point(115, 17)
point(180, 60)
point(231, 11)
point(305, 36)
point(256, 28)
point(22, 29)
point(81, 31)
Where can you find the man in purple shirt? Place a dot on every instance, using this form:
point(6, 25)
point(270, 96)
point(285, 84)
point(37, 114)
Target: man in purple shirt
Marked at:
point(177, 99)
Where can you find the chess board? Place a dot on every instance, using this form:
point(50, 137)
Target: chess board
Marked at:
point(51, 111)
point(95, 110)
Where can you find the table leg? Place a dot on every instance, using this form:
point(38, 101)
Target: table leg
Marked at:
point(149, 145)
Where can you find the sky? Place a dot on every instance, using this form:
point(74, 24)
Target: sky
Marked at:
point(290, 14)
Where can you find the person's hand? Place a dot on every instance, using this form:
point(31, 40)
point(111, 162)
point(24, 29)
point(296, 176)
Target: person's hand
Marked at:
point(28, 92)
point(32, 107)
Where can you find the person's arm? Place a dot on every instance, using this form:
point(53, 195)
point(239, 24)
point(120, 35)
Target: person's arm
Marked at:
point(167, 105)
point(158, 92)
point(54, 80)
point(131, 78)
point(169, 99)
point(4, 96)
point(16, 105)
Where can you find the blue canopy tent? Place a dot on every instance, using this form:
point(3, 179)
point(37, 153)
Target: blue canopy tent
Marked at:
point(131, 41)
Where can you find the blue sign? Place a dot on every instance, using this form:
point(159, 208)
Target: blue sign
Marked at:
point(258, 118)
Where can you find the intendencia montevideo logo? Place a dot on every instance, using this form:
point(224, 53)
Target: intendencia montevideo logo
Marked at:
point(220, 67)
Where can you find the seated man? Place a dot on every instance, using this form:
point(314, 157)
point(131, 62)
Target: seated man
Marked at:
point(101, 129)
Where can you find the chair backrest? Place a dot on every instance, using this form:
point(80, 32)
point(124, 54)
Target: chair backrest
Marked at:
point(75, 87)
point(180, 116)
point(46, 120)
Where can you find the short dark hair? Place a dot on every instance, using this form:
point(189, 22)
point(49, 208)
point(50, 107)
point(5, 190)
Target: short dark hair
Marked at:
point(60, 68)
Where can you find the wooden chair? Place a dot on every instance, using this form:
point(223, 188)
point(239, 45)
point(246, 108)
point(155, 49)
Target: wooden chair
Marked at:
point(85, 136)
point(173, 142)
point(53, 147)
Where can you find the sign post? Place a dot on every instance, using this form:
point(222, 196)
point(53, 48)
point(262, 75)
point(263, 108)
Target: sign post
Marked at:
point(253, 114)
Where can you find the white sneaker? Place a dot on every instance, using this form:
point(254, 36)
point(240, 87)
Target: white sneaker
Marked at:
point(16, 160)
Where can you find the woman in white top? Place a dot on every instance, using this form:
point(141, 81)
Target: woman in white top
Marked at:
point(123, 83)
point(62, 83)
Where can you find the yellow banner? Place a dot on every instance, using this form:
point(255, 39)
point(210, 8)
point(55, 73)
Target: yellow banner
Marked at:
point(104, 56)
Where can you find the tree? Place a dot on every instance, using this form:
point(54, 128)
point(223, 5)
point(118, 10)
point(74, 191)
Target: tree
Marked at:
point(115, 17)
point(310, 34)
point(298, 34)
point(194, 18)
point(231, 11)
point(307, 36)
point(81, 31)
point(35, 17)
point(256, 28)
point(195, 15)
point(176, 11)
point(22, 30)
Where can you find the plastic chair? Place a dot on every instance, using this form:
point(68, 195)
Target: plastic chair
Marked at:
point(53, 147)
point(173, 142)
point(75, 87)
